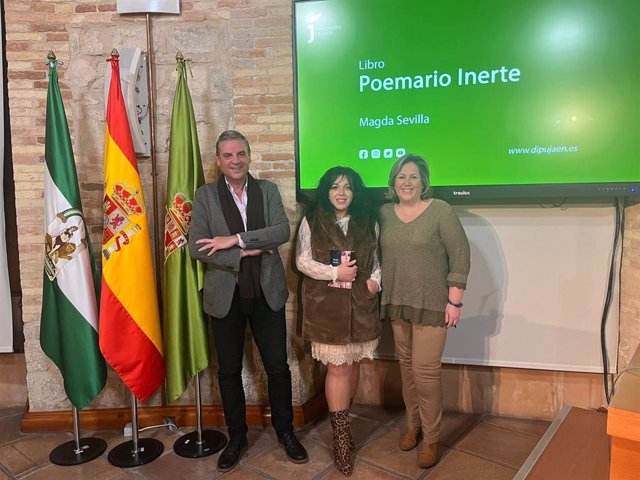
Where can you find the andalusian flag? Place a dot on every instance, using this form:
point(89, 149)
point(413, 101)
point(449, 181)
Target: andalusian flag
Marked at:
point(185, 329)
point(69, 322)
point(130, 337)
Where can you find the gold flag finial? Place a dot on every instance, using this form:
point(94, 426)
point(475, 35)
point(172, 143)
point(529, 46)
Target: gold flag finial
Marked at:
point(114, 53)
point(51, 56)
point(179, 56)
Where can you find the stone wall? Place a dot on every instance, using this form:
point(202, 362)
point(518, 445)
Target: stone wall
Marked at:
point(630, 286)
point(242, 78)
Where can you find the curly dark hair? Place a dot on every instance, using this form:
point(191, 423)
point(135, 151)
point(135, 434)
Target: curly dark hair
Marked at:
point(360, 205)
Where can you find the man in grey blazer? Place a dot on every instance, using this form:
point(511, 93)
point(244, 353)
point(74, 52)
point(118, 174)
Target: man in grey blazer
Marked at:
point(237, 225)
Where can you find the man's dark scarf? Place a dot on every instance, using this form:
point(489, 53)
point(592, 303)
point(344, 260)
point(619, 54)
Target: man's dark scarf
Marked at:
point(249, 276)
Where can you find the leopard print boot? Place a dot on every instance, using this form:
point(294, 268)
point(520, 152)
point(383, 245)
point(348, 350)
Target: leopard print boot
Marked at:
point(352, 444)
point(341, 444)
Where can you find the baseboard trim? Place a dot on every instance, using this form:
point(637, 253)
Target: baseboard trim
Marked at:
point(182, 415)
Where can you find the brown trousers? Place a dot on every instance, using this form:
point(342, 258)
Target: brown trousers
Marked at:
point(420, 350)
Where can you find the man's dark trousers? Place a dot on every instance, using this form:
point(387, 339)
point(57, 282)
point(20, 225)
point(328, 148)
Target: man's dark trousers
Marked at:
point(270, 335)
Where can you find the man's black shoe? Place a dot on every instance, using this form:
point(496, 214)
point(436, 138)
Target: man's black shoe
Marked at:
point(230, 456)
point(295, 451)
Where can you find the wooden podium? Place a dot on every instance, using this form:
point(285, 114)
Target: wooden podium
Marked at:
point(623, 424)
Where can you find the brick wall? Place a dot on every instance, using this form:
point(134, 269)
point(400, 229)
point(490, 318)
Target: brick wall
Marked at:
point(242, 78)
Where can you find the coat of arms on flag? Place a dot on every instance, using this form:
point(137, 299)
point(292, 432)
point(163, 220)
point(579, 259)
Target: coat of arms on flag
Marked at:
point(64, 239)
point(69, 318)
point(119, 226)
point(177, 221)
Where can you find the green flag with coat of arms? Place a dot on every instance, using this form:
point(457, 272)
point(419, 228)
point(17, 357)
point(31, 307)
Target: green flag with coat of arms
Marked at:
point(185, 329)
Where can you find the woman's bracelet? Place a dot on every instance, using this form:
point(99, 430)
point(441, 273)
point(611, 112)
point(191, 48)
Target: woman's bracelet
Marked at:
point(457, 305)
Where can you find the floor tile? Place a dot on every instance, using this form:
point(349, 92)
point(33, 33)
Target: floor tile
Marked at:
point(318, 431)
point(37, 448)
point(273, 462)
point(105, 435)
point(480, 448)
point(10, 428)
point(361, 429)
point(243, 473)
point(498, 444)
point(98, 469)
point(262, 438)
point(14, 461)
point(172, 466)
point(361, 471)
point(377, 413)
point(455, 425)
point(383, 451)
point(462, 466)
point(534, 427)
point(10, 411)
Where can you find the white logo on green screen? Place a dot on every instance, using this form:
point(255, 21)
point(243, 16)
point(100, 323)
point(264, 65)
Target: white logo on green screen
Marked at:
point(376, 153)
point(311, 26)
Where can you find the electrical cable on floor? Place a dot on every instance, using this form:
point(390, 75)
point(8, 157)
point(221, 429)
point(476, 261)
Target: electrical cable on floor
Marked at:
point(168, 422)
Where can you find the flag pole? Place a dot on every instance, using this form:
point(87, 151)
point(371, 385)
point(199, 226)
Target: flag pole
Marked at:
point(141, 369)
point(200, 443)
point(159, 242)
point(136, 452)
point(184, 318)
point(158, 238)
point(79, 450)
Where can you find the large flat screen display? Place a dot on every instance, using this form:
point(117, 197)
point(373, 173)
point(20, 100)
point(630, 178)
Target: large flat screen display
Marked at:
point(504, 98)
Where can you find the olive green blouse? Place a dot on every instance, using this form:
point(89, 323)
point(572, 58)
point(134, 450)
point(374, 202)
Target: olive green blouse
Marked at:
point(421, 259)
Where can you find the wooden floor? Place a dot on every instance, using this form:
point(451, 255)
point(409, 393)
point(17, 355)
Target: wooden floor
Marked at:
point(576, 446)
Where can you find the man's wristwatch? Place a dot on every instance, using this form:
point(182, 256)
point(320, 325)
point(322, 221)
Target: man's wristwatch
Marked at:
point(457, 305)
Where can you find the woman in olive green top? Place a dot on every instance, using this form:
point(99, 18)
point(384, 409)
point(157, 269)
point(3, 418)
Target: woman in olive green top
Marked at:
point(425, 263)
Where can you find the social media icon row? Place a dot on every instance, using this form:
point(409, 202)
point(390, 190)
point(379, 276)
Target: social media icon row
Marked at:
point(375, 153)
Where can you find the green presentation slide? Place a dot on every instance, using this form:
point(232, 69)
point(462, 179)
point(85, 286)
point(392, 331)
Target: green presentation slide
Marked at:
point(493, 92)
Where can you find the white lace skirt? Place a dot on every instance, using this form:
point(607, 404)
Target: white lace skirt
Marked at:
point(339, 354)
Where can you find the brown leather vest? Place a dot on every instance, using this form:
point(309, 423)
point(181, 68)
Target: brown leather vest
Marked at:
point(339, 315)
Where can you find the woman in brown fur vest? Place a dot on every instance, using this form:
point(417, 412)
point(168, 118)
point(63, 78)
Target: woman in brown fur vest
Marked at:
point(337, 253)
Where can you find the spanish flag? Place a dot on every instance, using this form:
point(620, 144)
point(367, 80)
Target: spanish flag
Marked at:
point(130, 336)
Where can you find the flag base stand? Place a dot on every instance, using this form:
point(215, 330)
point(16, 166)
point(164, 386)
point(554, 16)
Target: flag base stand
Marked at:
point(136, 452)
point(200, 443)
point(68, 454)
point(133, 454)
point(79, 450)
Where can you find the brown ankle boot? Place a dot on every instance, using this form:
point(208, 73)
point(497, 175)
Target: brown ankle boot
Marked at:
point(409, 438)
point(428, 455)
point(341, 446)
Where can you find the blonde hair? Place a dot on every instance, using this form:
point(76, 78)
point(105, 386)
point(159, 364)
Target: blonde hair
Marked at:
point(423, 169)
